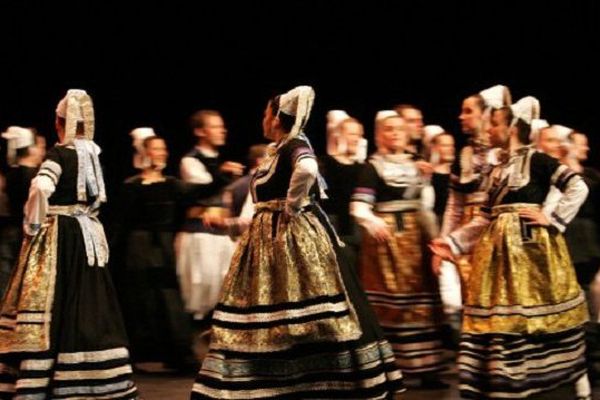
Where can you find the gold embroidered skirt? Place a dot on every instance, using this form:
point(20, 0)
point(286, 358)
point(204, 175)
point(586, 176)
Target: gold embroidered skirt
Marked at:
point(522, 280)
point(286, 324)
point(26, 309)
point(523, 314)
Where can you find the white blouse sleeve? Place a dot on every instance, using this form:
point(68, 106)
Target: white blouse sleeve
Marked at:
point(193, 171)
point(303, 177)
point(574, 192)
point(363, 213)
point(42, 187)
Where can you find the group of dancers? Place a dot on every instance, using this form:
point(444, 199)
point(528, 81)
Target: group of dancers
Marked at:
point(319, 277)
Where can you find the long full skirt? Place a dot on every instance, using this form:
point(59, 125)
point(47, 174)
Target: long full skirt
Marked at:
point(405, 295)
point(61, 331)
point(293, 321)
point(523, 314)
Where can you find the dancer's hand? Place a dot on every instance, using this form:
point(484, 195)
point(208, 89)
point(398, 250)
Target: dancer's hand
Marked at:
point(436, 264)
point(442, 249)
point(536, 216)
point(213, 221)
point(233, 168)
point(378, 229)
point(424, 167)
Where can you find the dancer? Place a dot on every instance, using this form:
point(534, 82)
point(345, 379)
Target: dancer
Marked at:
point(524, 311)
point(24, 157)
point(341, 168)
point(158, 326)
point(393, 203)
point(203, 246)
point(61, 332)
point(292, 321)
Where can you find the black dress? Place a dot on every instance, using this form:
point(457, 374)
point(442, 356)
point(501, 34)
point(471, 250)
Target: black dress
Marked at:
point(341, 180)
point(158, 326)
point(441, 186)
point(61, 330)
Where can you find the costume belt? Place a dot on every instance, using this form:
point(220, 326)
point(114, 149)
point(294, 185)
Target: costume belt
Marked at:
point(398, 206)
point(278, 205)
point(96, 246)
point(513, 208)
point(270, 205)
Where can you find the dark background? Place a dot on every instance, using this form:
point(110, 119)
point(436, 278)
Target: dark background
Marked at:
point(154, 65)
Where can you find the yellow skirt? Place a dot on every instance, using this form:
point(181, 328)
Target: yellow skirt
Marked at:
point(522, 280)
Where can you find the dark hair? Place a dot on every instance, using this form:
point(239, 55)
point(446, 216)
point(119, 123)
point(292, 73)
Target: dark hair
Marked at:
point(523, 131)
point(80, 127)
point(22, 152)
point(507, 114)
point(287, 121)
point(198, 119)
point(523, 128)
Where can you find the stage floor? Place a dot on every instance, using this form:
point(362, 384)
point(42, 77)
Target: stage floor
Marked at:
point(166, 387)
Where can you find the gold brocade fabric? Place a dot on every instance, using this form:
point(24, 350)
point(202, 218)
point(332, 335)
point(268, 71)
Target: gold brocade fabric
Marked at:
point(27, 305)
point(278, 265)
point(398, 268)
point(522, 280)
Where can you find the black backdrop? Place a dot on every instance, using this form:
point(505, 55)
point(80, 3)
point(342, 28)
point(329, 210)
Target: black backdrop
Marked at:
point(155, 64)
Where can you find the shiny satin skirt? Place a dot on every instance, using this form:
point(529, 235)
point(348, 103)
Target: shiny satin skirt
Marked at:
point(523, 314)
point(291, 322)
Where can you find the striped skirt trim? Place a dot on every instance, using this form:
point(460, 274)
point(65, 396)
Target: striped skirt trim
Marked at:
point(325, 370)
point(102, 374)
point(418, 350)
point(518, 366)
point(418, 346)
point(261, 317)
